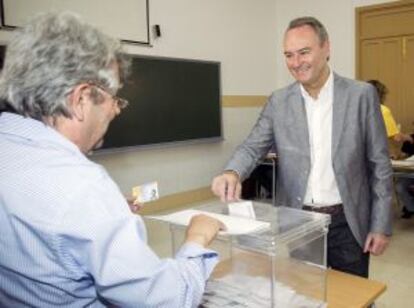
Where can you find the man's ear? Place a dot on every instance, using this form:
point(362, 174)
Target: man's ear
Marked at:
point(77, 101)
point(327, 46)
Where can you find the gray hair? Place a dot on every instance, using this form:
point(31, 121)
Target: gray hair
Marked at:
point(312, 22)
point(46, 59)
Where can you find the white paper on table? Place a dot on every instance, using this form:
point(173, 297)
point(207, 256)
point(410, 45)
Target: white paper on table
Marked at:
point(242, 209)
point(234, 225)
point(411, 158)
point(409, 162)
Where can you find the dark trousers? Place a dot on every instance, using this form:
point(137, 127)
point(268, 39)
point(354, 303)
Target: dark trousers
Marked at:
point(344, 252)
point(404, 195)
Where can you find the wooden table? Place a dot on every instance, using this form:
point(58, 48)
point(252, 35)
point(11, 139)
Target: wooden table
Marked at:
point(346, 291)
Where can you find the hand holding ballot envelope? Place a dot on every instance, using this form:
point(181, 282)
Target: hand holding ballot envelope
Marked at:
point(203, 229)
point(146, 192)
point(134, 206)
point(227, 186)
point(142, 194)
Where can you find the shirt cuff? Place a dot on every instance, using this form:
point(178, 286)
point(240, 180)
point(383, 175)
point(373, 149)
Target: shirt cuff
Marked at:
point(235, 172)
point(209, 257)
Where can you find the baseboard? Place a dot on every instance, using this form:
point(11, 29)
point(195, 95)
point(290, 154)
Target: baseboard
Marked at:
point(233, 101)
point(176, 201)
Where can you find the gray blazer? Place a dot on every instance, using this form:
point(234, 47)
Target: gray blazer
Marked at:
point(359, 150)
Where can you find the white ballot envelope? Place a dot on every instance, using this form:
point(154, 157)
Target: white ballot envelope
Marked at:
point(242, 209)
point(146, 192)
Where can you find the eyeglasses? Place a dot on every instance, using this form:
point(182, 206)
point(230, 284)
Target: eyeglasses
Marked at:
point(120, 102)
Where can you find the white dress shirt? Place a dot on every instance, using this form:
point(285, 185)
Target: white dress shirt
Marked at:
point(68, 238)
point(322, 189)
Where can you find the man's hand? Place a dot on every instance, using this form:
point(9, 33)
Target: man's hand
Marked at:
point(203, 229)
point(227, 186)
point(133, 205)
point(376, 243)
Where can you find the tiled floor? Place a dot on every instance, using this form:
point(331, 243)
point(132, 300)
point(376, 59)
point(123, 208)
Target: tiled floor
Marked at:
point(395, 267)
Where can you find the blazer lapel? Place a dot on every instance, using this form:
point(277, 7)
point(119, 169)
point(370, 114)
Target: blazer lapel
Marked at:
point(340, 104)
point(300, 122)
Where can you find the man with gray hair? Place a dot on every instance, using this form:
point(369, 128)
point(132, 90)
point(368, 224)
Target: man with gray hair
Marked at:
point(67, 235)
point(330, 140)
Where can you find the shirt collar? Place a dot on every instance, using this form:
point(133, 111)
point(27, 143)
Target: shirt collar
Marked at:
point(325, 90)
point(35, 131)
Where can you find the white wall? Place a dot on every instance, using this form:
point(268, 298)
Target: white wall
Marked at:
point(239, 33)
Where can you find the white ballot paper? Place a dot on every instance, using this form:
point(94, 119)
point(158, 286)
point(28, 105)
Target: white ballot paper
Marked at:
point(234, 225)
point(146, 192)
point(242, 209)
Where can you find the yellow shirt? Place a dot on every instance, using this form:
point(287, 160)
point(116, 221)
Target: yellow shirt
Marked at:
point(390, 124)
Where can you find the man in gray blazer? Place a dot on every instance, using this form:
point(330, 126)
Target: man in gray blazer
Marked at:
point(332, 150)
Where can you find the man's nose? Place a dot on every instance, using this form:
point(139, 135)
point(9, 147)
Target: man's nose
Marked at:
point(296, 61)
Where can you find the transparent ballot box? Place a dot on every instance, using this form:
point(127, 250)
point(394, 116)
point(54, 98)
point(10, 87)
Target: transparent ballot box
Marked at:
point(282, 265)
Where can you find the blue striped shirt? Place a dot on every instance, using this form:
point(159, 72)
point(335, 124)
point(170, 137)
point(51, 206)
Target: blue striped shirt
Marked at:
point(67, 237)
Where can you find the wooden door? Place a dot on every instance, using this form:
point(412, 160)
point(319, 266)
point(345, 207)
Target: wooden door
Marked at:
point(370, 59)
point(391, 64)
point(407, 85)
point(381, 59)
point(385, 51)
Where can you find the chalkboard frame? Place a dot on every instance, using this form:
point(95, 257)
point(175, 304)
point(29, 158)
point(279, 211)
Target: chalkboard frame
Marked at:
point(202, 138)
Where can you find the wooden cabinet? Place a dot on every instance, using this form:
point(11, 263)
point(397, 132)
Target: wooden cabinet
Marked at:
point(385, 51)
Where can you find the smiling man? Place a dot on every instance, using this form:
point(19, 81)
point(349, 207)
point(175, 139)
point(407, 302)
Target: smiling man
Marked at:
point(332, 150)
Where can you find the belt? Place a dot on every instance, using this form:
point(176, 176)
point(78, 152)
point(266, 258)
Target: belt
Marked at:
point(331, 209)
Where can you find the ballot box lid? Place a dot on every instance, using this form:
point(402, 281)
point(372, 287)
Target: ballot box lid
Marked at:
point(286, 226)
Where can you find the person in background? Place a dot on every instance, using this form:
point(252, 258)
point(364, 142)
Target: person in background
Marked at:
point(263, 176)
point(332, 150)
point(68, 238)
point(403, 184)
point(391, 126)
